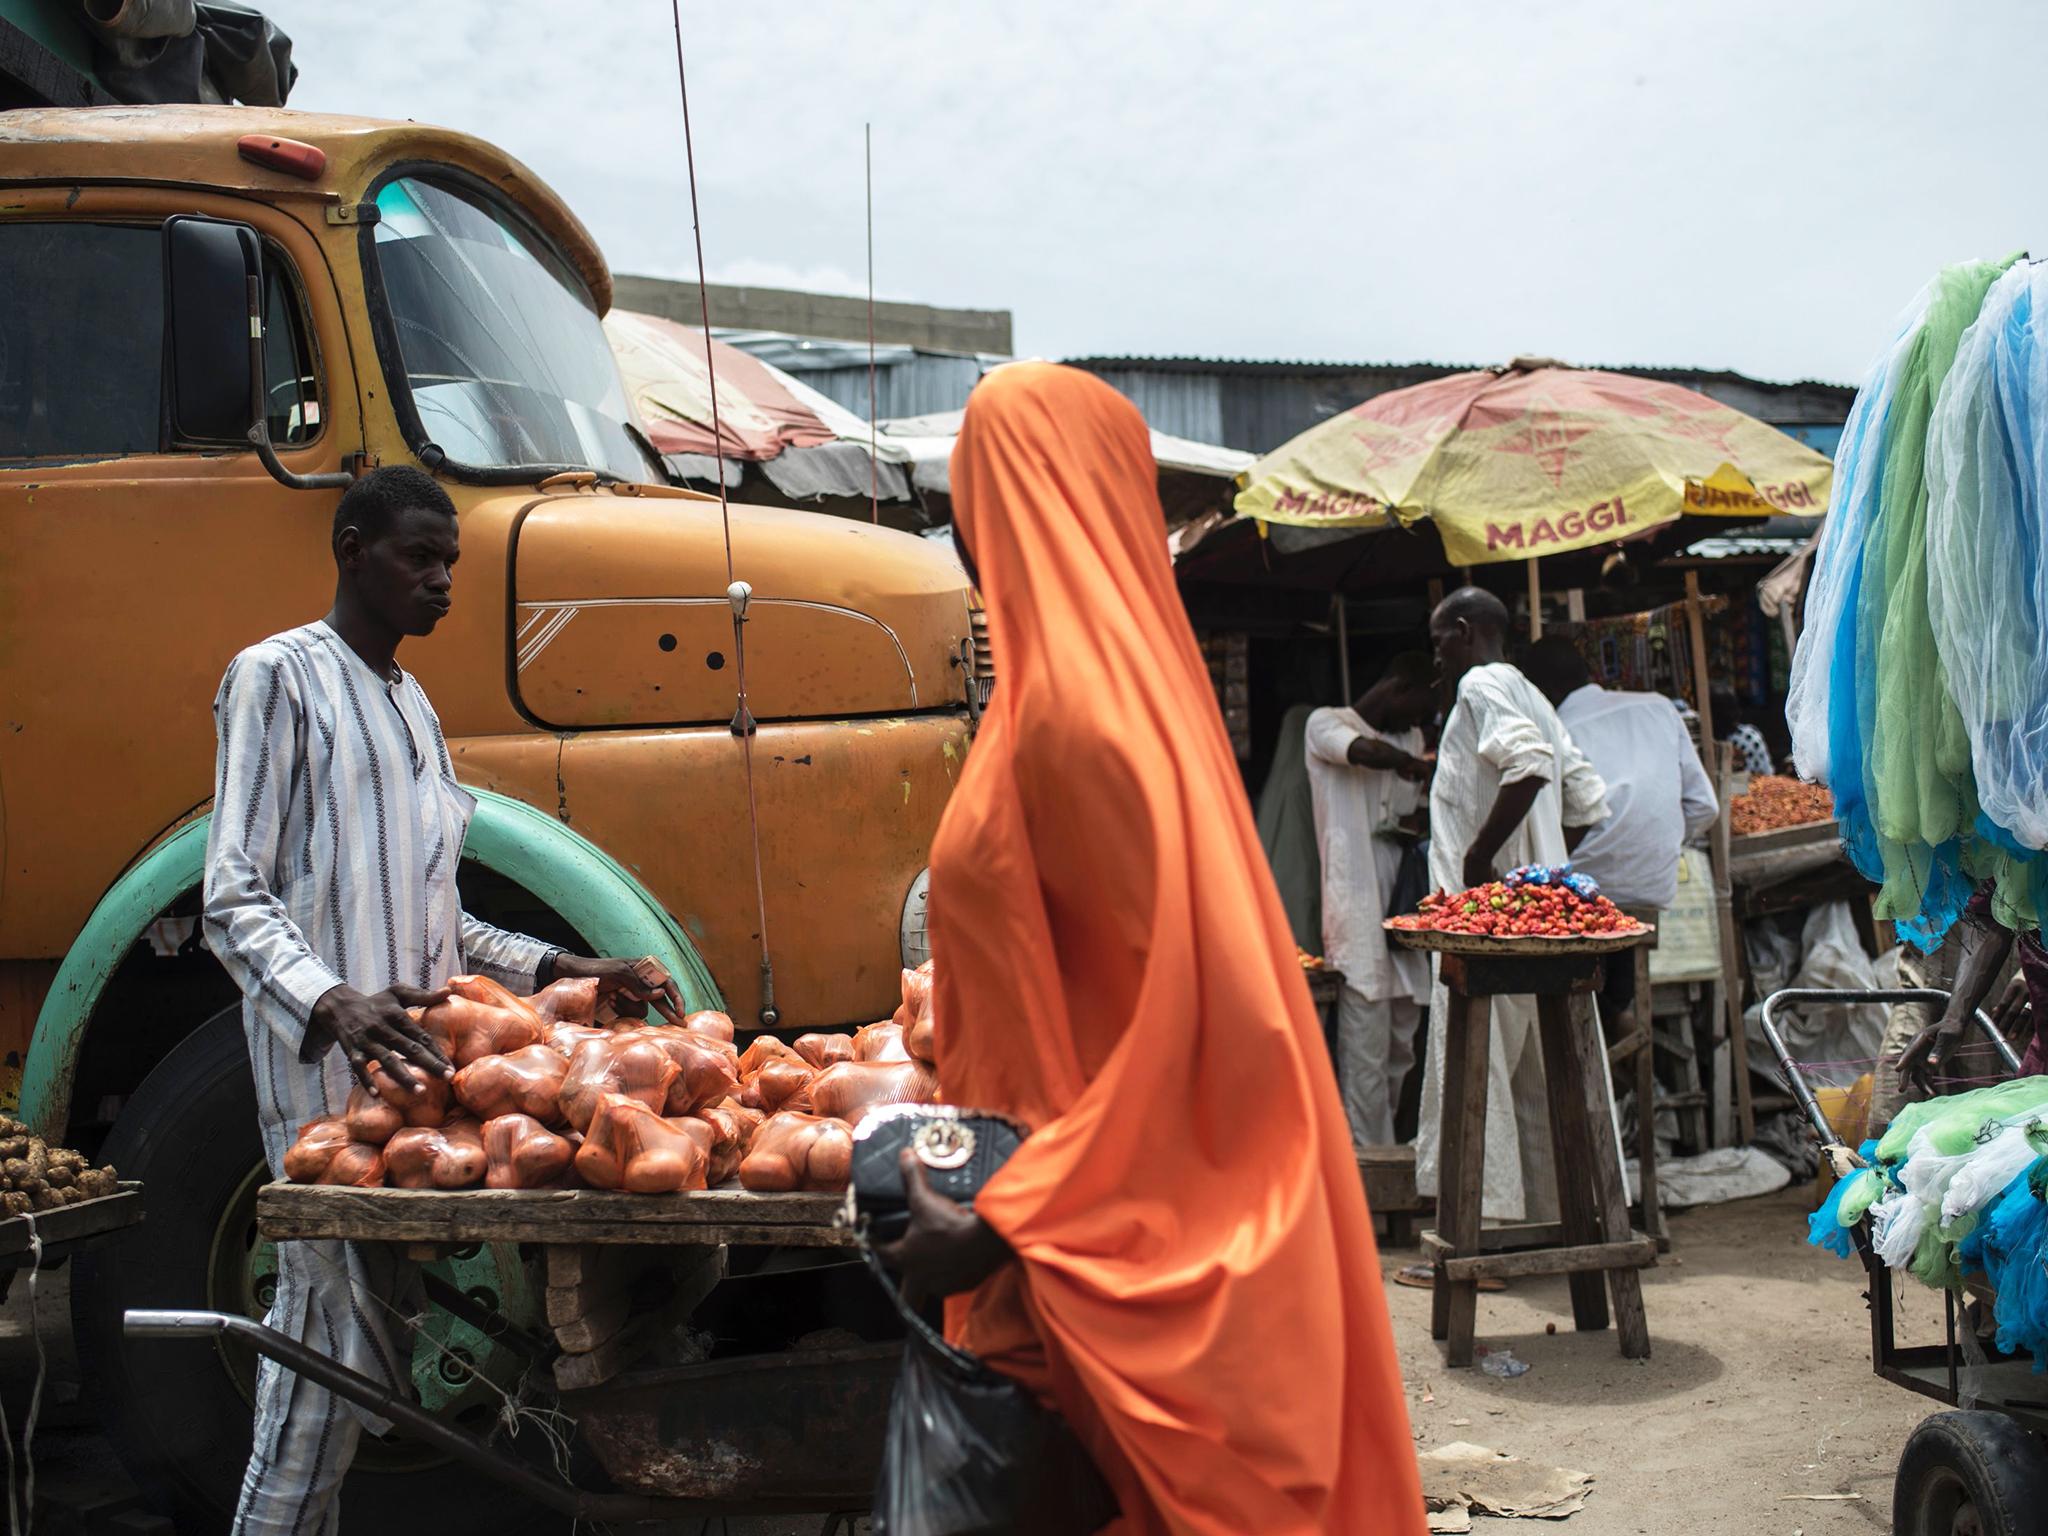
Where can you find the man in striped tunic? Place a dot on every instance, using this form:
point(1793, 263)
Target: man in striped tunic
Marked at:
point(331, 900)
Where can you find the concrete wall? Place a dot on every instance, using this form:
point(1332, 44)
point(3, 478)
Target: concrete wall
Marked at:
point(818, 314)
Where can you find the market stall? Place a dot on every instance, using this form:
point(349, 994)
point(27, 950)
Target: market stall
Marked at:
point(665, 1209)
point(1577, 498)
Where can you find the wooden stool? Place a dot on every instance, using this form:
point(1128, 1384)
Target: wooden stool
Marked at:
point(1639, 1041)
point(1594, 1237)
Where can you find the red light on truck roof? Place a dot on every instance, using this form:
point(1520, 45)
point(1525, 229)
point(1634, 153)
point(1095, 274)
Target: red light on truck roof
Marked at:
point(288, 155)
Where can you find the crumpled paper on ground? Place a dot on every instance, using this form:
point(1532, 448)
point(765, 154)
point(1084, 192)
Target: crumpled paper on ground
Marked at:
point(1460, 1480)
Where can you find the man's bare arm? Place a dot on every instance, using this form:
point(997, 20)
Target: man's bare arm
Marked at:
point(1510, 806)
point(1366, 752)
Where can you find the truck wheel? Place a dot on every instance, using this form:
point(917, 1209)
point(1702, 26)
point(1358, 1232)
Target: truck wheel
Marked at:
point(177, 1411)
point(1969, 1474)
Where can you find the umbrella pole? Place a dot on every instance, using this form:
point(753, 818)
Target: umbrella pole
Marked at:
point(1716, 760)
point(1343, 648)
point(1535, 601)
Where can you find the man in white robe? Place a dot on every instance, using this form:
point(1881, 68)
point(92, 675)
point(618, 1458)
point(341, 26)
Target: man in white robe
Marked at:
point(1510, 789)
point(331, 901)
point(1365, 771)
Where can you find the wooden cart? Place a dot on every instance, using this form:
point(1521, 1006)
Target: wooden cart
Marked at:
point(53, 1236)
point(678, 1425)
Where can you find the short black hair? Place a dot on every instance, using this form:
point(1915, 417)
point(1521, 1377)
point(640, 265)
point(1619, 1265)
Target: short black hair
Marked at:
point(372, 504)
point(1555, 666)
point(1477, 607)
point(1412, 669)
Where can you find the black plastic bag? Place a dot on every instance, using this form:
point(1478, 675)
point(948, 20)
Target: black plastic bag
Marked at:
point(971, 1453)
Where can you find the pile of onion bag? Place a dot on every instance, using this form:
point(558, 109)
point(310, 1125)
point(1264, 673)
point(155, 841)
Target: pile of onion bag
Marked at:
point(1954, 1191)
point(547, 1097)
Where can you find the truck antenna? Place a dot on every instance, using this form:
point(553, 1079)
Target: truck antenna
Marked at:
point(874, 469)
point(738, 593)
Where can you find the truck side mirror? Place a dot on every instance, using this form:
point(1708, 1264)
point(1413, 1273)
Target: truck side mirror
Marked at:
point(210, 270)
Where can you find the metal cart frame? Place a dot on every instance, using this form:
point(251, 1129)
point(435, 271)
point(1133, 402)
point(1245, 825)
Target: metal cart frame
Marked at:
point(1935, 1480)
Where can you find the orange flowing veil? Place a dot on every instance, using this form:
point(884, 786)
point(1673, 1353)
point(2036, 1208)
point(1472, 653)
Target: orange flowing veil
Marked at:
point(1198, 1289)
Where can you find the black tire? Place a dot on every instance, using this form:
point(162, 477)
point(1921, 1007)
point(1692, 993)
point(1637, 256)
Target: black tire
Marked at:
point(1970, 1474)
point(172, 1408)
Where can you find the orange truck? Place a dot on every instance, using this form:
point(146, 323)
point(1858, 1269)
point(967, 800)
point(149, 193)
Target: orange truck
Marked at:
point(210, 318)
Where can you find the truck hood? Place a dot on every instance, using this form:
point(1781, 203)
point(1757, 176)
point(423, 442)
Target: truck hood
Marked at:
point(620, 615)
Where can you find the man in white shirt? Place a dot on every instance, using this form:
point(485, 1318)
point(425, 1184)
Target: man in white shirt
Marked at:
point(1365, 771)
point(1511, 788)
point(1657, 792)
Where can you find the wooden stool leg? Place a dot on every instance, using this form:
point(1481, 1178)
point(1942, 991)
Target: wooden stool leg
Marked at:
point(1641, 1022)
point(1461, 1169)
point(1610, 1192)
point(1572, 1138)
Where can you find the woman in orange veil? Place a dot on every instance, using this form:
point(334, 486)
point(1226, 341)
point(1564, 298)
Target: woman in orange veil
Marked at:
point(1195, 1286)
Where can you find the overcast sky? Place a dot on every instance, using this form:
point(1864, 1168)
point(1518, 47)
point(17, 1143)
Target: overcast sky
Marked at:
point(1748, 184)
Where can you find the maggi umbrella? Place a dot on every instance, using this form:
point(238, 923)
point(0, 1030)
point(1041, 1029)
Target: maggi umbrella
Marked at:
point(1534, 459)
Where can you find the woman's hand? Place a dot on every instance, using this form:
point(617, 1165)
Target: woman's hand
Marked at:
point(948, 1248)
point(629, 985)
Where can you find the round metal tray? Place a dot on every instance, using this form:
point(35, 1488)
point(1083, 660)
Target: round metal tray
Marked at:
point(1517, 943)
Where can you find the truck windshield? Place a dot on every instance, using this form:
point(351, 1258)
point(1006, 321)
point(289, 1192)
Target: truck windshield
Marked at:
point(504, 357)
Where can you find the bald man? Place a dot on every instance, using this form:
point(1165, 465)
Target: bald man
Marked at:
point(1511, 788)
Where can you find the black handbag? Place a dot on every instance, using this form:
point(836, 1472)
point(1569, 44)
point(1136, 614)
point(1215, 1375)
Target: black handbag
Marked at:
point(967, 1452)
point(958, 1149)
point(1411, 879)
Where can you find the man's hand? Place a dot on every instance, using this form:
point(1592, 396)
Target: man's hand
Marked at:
point(1416, 769)
point(2013, 1013)
point(630, 986)
point(1921, 1060)
point(379, 1029)
point(1478, 869)
point(948, 1248)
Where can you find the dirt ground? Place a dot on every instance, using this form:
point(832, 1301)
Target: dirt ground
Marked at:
point(1759, 1388)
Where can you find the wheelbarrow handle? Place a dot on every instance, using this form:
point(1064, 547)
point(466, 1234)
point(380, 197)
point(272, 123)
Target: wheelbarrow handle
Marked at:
point(1792, 997)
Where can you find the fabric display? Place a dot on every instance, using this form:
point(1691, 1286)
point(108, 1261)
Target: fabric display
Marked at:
point(1953, 1192)
point(1915, 683)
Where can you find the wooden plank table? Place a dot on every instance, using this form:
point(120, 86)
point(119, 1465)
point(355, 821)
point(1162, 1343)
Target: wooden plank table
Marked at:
point(596, 1248)
point(1593, 1241)
point(693, 1218)
point(68, 1226)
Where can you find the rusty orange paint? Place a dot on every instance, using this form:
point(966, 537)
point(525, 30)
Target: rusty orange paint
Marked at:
point(127, 584)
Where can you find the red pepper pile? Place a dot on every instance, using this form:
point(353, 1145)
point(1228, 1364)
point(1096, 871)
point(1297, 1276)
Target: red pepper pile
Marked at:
point(1515, 911)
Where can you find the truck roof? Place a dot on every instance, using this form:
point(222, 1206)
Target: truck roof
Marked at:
point(195, 146)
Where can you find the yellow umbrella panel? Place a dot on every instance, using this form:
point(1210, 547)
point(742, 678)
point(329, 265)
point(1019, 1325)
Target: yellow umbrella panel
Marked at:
point(1534, 460)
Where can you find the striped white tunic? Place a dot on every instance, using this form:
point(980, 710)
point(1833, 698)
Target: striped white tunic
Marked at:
point(337, 828)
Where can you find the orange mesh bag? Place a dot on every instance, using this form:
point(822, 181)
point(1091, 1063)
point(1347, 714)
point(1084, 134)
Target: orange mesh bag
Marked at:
point(761, 1050)
point(325, 1153)
point(450, 1156)
point(479, 1019)
point(718, 1136)
point(880, 1042)
point(369, 1119)
point(640, 1069)
point(823, 1050)
point(709, 1021)
point(779, 1085)
point(632, 1148)
point(524, 1082)
point(852, 1088)
point(798, 1151)
point(521, 1153)
point(915, 1016)
point(572, 1000)
point(707, 1068)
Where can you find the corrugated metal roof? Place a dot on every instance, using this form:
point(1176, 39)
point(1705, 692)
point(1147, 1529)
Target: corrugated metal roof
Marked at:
point(1221, 365)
